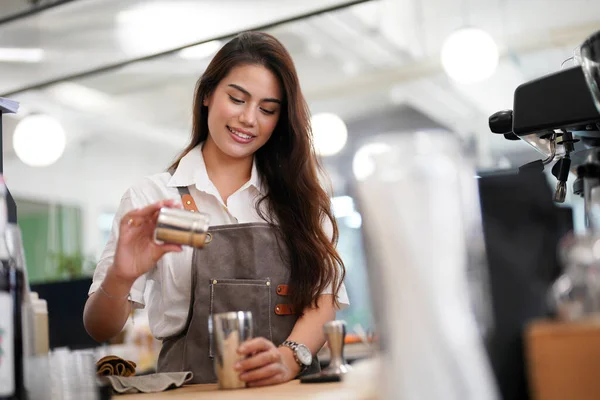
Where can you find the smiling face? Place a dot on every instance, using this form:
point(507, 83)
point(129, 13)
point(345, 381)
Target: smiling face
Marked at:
point(243, 110)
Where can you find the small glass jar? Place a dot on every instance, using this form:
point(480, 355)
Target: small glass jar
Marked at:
point(575, 295)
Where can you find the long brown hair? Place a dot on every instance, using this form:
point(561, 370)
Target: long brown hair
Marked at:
point(287, 164)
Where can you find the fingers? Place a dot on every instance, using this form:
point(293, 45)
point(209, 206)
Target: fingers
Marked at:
point(273, 380)
point(259, 360)
point(263, 365)
point(162, 249)
point(255, 345)
point(266, 374)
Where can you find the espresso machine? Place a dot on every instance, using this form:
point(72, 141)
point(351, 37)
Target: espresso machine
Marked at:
point(559, 116)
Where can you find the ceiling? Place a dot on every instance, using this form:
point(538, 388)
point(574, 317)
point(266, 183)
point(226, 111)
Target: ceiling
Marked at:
point(364, 62)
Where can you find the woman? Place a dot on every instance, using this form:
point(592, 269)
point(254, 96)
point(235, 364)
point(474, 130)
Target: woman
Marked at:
point(251, 166)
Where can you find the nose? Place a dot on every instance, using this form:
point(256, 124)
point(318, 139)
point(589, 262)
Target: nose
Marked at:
point(248, 116)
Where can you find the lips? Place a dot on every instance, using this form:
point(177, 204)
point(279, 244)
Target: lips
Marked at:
point(240, 135)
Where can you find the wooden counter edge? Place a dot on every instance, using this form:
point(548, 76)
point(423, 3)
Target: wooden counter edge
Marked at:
point(291, 390)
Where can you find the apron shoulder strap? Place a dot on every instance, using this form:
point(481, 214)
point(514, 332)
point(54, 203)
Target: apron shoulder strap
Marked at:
point(187, 199)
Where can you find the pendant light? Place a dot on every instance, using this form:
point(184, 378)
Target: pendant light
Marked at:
point(469, 54)
point(39, 140)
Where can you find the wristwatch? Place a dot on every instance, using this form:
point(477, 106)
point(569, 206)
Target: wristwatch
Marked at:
point(302, 354)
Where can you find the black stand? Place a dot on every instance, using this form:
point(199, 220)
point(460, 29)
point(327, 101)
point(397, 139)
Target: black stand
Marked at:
point(10, 202)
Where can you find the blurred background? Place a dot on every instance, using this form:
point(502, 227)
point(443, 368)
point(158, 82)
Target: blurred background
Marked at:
point(116, 80)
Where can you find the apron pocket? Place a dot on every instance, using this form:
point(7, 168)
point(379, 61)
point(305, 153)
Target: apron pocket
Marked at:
point(252, 295)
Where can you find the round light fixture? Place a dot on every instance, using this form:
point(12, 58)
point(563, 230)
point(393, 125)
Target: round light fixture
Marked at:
point(39, 140)
point(329, 133)
point(469, 55)
point(363, 164)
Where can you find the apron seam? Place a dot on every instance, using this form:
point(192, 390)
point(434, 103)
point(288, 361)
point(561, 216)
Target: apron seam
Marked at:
point(210, 313)
point(269, 313)
point(190, 318)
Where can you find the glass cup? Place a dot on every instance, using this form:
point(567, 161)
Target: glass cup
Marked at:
point(575, 295)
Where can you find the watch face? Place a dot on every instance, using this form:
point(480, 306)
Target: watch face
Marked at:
point(304, 354)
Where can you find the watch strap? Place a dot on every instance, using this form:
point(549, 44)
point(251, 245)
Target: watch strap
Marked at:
point(294, 346)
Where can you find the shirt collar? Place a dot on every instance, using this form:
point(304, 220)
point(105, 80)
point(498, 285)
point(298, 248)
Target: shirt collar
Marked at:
point(192, 171)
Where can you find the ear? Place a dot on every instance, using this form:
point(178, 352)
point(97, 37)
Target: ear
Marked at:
point(205, 101)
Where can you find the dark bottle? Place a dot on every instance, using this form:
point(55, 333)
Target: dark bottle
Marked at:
point(12, 385)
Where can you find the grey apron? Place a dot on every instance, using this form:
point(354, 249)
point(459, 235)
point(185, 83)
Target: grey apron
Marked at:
point(242, 267)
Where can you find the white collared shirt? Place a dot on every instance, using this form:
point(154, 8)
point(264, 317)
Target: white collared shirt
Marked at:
point(168, 285)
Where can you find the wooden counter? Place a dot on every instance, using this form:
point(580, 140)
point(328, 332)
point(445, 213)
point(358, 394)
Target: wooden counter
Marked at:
point(289, 390)
point(563, 359)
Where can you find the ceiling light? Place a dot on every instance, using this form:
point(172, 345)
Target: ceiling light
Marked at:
point(363, 164)
point(469, 55)
point(201, 51)
point(329, 133)
point(24, 55)
point(39, 140)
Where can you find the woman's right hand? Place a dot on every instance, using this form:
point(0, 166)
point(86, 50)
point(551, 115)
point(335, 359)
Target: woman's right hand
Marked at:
point(137, 251)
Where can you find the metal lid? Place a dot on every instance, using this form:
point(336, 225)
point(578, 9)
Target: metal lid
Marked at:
point(590, 59)
point(183, 220)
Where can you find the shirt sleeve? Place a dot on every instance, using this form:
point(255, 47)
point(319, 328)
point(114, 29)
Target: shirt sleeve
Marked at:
point(128, 203)
point(342, 296)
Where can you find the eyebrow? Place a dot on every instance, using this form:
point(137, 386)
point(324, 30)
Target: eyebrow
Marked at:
point(247, 93)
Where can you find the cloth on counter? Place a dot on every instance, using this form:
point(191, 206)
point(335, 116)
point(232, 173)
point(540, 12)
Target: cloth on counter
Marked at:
point(114, 365)
point(149, 383)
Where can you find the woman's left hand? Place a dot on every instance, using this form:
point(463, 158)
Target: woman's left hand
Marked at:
point(264, 365)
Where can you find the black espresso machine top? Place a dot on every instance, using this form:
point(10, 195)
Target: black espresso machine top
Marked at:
point(559, 115)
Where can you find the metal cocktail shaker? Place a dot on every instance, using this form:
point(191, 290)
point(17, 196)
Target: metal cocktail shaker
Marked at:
point(228, 331)
point(183, 227)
